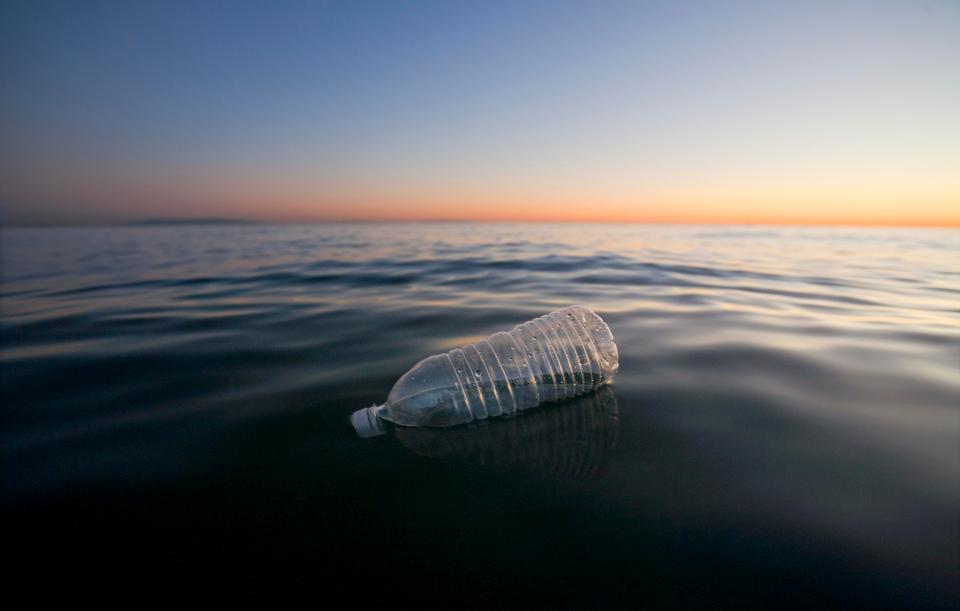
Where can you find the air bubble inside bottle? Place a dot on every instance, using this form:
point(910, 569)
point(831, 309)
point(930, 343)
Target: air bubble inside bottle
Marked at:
point(559, 356)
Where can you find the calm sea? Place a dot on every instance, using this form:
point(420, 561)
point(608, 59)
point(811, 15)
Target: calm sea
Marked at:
point(785, 426)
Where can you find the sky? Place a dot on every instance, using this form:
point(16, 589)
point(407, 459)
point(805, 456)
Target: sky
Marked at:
point(840, 112)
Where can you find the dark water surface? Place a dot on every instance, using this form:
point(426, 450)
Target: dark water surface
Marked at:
point(785, 427)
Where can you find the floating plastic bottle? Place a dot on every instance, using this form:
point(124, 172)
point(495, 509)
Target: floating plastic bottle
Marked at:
point(559, 356)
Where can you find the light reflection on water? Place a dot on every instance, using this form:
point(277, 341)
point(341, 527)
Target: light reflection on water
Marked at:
point(789, 400)
point(573, 439)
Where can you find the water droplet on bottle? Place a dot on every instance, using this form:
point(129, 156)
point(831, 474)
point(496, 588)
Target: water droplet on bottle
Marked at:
point(477, 373)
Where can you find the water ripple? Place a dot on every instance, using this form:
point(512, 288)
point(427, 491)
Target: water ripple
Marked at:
point(800, 384)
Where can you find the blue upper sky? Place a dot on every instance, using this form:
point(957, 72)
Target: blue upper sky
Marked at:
point(117, 110)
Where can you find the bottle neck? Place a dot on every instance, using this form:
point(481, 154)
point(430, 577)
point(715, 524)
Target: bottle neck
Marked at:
point(367, 422)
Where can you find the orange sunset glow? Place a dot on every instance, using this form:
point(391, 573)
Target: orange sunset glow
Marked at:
point(760, 114)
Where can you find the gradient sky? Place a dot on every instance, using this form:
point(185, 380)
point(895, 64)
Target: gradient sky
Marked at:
point(792, 112)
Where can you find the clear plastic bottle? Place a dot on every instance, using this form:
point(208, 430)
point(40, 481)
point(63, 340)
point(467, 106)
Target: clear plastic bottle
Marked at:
point(558, 356)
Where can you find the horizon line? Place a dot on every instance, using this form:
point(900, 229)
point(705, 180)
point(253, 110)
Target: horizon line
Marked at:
point(175, 221)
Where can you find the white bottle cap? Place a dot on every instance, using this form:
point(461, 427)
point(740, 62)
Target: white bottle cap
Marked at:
point(366, 423)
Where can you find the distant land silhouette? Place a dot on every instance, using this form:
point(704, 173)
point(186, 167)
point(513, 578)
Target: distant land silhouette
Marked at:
point(193, 221)
point(240, 221)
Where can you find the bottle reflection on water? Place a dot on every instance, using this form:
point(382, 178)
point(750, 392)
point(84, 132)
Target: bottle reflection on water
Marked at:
point(569, 440)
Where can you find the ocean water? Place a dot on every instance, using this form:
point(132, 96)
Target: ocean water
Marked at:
point(785, 426)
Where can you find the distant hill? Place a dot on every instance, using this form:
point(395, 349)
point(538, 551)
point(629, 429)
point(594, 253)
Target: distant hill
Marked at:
point(193, 221)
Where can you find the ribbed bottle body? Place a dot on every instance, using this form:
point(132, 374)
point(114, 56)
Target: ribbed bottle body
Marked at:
point(551, 358)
